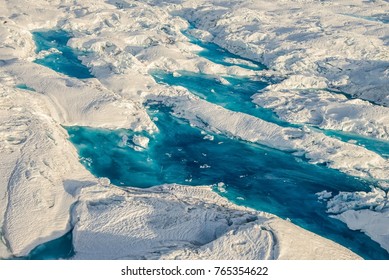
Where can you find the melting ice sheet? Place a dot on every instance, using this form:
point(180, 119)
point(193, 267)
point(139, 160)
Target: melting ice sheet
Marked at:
point(252, 175)
point(248, 174)
point(54, 53)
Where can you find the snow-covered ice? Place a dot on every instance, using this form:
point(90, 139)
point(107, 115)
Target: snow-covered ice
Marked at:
point(365, 211)
point(333, 73)
point(39, 173)
point(141, 141)
point(178, 222)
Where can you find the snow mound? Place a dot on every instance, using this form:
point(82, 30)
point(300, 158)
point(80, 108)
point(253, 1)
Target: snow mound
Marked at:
point(179, 222)
point(364, 211)
point(39, 174)
point(372, 223)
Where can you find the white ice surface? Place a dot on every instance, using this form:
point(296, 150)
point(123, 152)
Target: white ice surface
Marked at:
point(364, 211)
point(96, 106)
point(327, 110)
point(373, 223)
point(178, 222)
point(141, 141)
point(39, 172)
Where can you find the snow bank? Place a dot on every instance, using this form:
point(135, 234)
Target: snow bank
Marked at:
point(178, 222)
point(327, 110)
point(79, 102)
point(40, 172)
point(364, 211)
point(372, 223)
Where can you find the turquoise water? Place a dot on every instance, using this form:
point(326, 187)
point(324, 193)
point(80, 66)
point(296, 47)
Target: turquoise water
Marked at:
point(66, 61)
point(267, 180)
point(221, 56)
point(234, 95)
point(60, 248)
point(25, 87)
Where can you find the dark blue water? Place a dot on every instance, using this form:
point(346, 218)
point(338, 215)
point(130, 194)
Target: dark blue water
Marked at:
point(67, 61)
point(221, 56)
point(267, 180)
point(25, 87)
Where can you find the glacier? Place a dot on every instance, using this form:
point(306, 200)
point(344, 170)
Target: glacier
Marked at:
point(327, 70)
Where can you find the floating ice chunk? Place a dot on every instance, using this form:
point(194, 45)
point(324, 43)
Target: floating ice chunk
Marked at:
point(324, 195)
point(222, 81)
point(124, 141)
point(44, 53)
point(208, 137)
point(86, 161)
point(137, 148)
point(221, 187)
point(141, 141)
point(376, 199)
